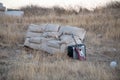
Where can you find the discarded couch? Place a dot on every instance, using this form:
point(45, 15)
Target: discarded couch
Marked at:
point(52, 38)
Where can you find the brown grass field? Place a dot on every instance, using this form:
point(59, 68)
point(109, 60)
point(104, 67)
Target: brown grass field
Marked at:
point(102, 42)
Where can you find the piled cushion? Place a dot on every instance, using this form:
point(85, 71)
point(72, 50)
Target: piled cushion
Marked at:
point(51, 28)
point(80, 32)
point(53, 38)
point(37, 28)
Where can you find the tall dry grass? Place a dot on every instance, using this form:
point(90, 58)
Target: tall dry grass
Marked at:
point(37, 69)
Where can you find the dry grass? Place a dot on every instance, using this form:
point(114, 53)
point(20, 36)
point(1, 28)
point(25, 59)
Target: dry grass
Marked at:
point(15, 64)
point(55, 67)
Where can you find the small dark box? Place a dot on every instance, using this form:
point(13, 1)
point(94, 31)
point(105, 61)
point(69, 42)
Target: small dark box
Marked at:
point(72, 52)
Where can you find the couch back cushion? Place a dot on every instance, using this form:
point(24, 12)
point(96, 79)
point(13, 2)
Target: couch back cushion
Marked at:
point(51, 35)
point(33, 34)
point(69, 39)
point(51, 28)
point(37, 40)
point(37, 28)
point(69, 30)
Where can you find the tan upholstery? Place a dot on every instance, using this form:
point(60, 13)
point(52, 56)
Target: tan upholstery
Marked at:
point(53, 38)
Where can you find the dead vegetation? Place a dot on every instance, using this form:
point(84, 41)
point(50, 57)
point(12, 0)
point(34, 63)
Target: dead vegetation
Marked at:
point(103, 36)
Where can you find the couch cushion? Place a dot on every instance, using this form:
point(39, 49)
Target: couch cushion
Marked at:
point(65, 39)
point(68, 30)
point(51, 35)
point(37, 28)
point(54, 43)
point(33, 34)
point(51, 28)
point(36, 40)
point(35, 46)
point(52, 50)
